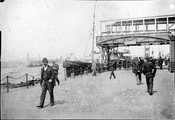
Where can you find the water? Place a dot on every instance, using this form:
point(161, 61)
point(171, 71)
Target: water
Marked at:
point(21, 71)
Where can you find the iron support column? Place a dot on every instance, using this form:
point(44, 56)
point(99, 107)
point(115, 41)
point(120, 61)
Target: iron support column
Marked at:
point(167, 24)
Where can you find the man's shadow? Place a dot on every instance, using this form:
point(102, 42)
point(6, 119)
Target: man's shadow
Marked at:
point(153, 92)
point(60, 102)
point(56, 103)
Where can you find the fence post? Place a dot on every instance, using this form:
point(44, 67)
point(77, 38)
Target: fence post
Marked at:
point(7, 84)
point(87, 70)
point(73, 73)
point(33, 82)
point(65, 74)
point(81, 71)
point(27, 80)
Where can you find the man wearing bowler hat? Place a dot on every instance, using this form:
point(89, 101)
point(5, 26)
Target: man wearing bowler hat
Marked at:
point(47, 83)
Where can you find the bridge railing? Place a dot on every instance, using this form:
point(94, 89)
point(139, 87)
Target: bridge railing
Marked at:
point(156, 23)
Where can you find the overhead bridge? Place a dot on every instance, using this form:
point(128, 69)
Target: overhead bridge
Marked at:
point(154, 30)
point(136, 31)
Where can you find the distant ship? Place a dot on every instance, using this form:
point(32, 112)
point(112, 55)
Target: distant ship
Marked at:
point(34, 63)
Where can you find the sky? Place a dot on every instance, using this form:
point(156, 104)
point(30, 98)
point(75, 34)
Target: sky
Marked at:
point(54, 28)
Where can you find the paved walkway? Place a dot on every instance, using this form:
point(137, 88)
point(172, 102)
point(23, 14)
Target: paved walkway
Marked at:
point(96, 97)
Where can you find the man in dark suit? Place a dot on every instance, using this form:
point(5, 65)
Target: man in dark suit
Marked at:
point(112, 68)
point(137, 70)
point(160, 62)
point(47, 83)
point(149, 70)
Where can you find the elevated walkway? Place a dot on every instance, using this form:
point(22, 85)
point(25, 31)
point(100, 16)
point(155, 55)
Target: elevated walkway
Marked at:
point(136, 31)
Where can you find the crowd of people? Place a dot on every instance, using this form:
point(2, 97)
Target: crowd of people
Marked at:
point(147, 66)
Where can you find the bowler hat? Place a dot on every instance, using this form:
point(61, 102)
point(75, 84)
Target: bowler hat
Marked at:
point(44, 60)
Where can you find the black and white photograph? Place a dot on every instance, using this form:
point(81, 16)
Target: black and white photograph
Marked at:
point(87, 59)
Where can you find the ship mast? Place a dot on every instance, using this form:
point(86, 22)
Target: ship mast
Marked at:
point(93, 34)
